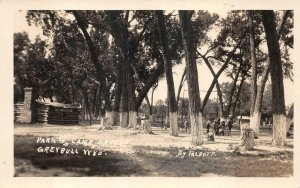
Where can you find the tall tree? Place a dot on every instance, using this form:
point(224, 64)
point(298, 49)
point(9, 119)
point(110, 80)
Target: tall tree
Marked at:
point(260, 90)
point(168, 72)
point(253, 59)
point(192, 77)
point(253, 124)
point(278, 103)
point(118, 27)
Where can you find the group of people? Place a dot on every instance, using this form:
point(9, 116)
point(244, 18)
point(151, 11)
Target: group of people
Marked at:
point(220, 127)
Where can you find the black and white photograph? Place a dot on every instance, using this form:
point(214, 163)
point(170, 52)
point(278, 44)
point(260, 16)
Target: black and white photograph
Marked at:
point(159, 92)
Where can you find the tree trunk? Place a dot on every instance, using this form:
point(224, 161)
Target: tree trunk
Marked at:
point(106, 122)
point(253, 62)
point(118, 93)
point(168, 112)
point(109, 116)
point(254, 123)
point(132, 121)
point(95, 101)
point(124, 99)
point(181, 85)
point(260, 91)
point(192, 78)
point(92, 49)
point(146, 127)
point(232, 92)
point(87, 104)
point(278, 103)
point(238, 96)
point(255, 119)
point(169, 74)
point(119, 31)
point(108, 107)
point(220, 102)
point(148, 103)
point(151, 104)
point(224, 66)
point(152, 80)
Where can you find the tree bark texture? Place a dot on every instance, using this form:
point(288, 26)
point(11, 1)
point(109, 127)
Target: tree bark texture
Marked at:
point(253, 62)
point(192, 78)
point(119, 31)
point(132, 102)
point(118, 93)
point(254, 115)
point(124, 99)
point(278, 103)
point(264, 78)
point(168, 72)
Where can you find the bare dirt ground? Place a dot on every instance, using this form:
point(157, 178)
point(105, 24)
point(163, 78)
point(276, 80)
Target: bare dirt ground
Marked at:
point(125, 152)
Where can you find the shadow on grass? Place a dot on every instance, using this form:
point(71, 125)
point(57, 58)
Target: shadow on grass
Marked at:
point(157, 161)
point(222, 164)
point(112, 164)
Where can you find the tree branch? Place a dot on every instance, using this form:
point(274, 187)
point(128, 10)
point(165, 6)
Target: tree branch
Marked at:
point(229, 56)
point(153, 78)
point(181, 84)
point(217, 82)
point(91, 46)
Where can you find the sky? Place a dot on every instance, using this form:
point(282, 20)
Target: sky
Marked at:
point(204, 76)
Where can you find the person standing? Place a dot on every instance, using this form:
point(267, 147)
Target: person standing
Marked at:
point(216, 125)
point(229, 123)
point(208, 124)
